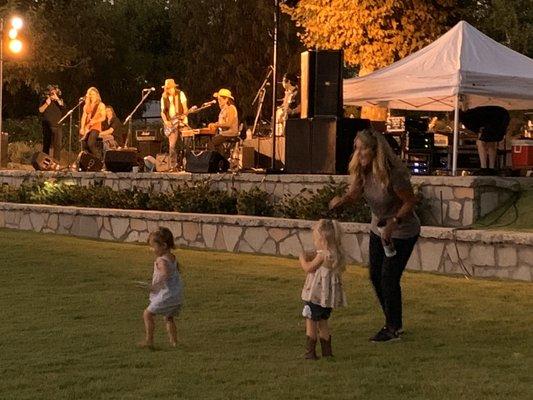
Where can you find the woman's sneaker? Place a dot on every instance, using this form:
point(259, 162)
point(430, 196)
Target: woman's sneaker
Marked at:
point(385, 335)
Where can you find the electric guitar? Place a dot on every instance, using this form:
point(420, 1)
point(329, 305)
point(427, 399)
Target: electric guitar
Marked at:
point(177, 121)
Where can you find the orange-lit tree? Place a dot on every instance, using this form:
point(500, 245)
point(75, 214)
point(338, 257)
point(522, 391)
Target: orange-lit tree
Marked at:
point(373, 34)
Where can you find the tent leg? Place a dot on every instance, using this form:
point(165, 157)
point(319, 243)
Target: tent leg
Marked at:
point(455, 135)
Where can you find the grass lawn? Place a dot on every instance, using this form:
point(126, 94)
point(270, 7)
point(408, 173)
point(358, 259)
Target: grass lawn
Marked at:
point(71, 319)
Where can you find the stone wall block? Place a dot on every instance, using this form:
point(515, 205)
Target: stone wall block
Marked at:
point(278, 234)
point(12, 218)
point(178, 231)
point(414, 263)
point(190, 231)
point(306, 238)
point(37, 221)
point(454, 210)
point(522, 273)
point(269, 247)
point(243, 247)
point(290, 246)
point(2, 219)
point(507, 256)
point(86, 226)
point(351, 248)
point(431, 255)
point(138, 224)
point(468, 213)
point(25, 222)
point(219, 243)
point(446, 191)
point(482, 255)
point(119, 227)
point(364, 241)
point(231, 236)
point(525, 255)
point(255, 237)
point(133, 236)
point(209, 232)
point(463, 193)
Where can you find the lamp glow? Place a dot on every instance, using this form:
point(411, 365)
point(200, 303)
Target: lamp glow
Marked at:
point(17, 23)
point(15, 46)
point(13, 33)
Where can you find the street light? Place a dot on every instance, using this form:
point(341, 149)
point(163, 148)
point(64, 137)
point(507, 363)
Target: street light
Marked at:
point(14, 46)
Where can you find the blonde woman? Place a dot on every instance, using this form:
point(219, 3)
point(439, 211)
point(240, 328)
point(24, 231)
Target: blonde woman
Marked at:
point(91, 121)
point(384, 181)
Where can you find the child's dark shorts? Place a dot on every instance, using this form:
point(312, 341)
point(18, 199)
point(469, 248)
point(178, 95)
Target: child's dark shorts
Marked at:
point(316, 312)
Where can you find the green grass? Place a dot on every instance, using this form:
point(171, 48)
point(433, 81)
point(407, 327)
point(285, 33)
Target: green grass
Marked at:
point(517, 217)
point(71, 320)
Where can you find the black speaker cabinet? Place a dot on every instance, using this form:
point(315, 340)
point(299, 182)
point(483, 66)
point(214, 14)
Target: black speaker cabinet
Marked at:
point(89, 163)
point(310, 145)
point(206, 162)
point(120, 160)
point(149, 148)
point(321, 83)
point(320, 145)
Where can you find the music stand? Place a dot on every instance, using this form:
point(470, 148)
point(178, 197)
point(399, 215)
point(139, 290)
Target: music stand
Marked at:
point(69, 114)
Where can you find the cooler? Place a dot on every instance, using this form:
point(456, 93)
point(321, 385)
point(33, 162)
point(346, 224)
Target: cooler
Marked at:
point(522, 153)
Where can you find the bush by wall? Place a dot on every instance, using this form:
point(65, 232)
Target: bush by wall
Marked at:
point(197, 197)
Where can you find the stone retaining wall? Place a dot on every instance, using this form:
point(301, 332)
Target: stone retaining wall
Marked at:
point(484, 253)
point(449, 201)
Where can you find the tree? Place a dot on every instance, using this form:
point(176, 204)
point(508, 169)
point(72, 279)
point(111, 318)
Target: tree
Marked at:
point(373, 34)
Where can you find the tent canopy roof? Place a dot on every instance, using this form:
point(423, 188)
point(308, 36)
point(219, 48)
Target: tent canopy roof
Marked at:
point(462, 61)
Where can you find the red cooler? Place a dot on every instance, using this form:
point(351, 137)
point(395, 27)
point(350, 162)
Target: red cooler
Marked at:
point(522, 153)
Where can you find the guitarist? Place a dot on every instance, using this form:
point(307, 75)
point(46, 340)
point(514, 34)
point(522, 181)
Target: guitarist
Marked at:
point(173, 112)
point(91, 121)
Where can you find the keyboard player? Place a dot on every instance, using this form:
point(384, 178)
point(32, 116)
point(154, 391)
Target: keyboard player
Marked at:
point(228, 120)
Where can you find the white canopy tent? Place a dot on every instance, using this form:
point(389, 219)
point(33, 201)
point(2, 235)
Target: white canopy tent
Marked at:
point(463, 68)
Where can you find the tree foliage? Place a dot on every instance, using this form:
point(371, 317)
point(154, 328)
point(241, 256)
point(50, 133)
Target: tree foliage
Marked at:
point(121, 46)
point(373, 34)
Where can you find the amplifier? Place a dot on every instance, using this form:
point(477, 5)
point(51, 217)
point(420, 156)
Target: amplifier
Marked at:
point(148, 135)
point(419, 141)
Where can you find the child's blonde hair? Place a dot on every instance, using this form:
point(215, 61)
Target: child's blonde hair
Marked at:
point(162, 236)
point(331, 231)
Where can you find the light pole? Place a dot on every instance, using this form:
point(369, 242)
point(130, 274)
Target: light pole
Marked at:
point(15, 46)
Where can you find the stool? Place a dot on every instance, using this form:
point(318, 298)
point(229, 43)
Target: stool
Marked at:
point(230, 151)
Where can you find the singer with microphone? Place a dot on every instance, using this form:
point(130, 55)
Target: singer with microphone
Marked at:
point(91, 121)
point(174, 115)
point(52, 108)
point(228, 120)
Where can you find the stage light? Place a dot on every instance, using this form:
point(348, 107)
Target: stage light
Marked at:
point(17, 23)
point(15, 46)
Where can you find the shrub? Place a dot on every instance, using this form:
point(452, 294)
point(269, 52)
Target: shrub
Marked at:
point(255, 202)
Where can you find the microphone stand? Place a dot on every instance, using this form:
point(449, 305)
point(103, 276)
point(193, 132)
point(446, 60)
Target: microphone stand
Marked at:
point(69, 114)
point(261, 96)
point(129, 117)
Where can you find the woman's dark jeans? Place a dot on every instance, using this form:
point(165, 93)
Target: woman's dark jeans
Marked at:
point(385, 274)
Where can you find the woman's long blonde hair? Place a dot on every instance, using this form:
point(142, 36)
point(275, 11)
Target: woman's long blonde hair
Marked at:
point(93, 89)
point(383, 162)
point(331, 232)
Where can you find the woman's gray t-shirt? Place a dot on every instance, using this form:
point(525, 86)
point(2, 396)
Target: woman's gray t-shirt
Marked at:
point(384, 203)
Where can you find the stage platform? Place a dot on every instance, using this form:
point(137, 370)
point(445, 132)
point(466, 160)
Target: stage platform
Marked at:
point(447, 201)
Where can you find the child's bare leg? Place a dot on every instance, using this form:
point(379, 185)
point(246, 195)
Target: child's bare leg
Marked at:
point(149, 326)
point(171, 330)
point(323, 329)
point(311, 328)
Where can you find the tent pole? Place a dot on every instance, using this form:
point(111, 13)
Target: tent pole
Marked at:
point(455, 135)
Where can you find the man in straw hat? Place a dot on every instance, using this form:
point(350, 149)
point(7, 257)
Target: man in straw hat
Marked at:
point(228, 120)
point(173, 112)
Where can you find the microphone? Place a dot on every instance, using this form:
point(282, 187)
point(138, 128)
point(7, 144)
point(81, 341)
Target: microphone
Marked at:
point(82, 98)
point(210, 103)
point(151, 89)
